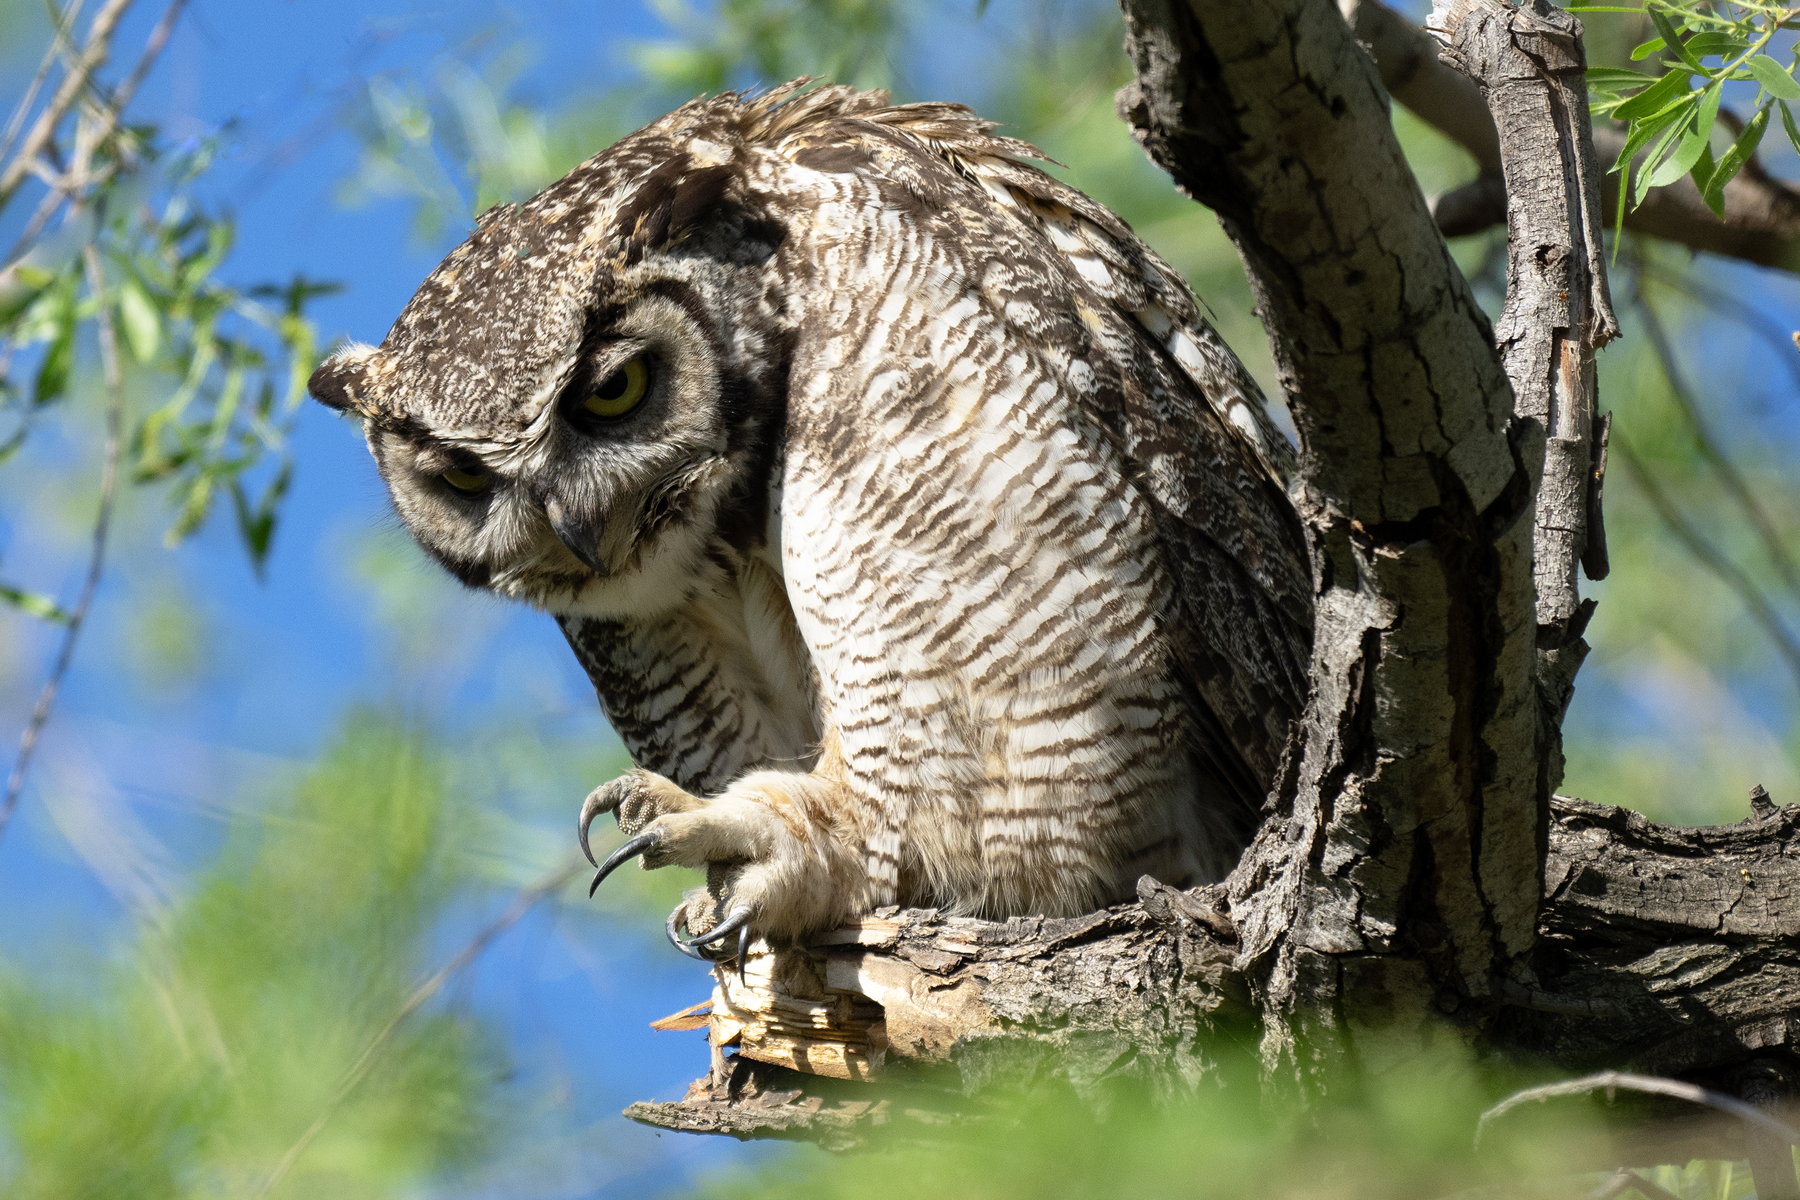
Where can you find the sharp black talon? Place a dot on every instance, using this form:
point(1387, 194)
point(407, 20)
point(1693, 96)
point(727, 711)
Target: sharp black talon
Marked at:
point(631, 849)
point(590, 808)
point(669, 928)
point(736, 922)
point(743, 950)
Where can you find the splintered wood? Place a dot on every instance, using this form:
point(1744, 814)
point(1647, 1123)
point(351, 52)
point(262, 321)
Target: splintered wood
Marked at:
point(841, 1008)
point(783, 1010)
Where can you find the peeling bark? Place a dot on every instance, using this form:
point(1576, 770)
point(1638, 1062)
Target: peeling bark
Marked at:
point(1665, 950)
point(1398, 874)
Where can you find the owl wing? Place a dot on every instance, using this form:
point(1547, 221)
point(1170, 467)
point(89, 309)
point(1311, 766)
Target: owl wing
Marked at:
point(1213, 464)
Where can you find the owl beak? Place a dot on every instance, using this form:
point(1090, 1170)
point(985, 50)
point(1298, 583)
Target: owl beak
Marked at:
point(580, 536)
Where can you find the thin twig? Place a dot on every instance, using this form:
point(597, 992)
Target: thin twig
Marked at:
point(1618, 1185)
point(153, 48)
point(1711, 557)
point(59, 35)
point(1649, 1190)
point(76, 179)
point(522, 904)
point(93, 54)
point(1710, 450)
point(109, 477)
point(1652, 1084)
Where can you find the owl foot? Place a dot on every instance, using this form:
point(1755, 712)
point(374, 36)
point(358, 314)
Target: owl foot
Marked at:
point(738, 922)
point(778, 865)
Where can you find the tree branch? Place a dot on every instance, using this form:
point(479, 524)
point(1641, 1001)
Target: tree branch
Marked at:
point(1529, 66)
point(1412, 807)
point(1762, 214)
point(1672, 950)
point(93, 56)
point(109, 478)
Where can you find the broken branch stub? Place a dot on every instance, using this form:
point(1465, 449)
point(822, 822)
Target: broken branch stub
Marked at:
point(1664, 950)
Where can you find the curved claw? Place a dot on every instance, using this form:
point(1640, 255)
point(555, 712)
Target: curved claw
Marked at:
point(743, 949)
point(631, 849)
point(674, 923)
point(592, 807)
point(736, 922)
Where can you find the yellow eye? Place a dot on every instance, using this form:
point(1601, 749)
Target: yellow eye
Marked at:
point(621, 391)
point(467, 482)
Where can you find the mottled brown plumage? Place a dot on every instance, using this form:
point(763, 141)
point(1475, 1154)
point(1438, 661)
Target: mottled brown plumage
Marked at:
point(944, 558)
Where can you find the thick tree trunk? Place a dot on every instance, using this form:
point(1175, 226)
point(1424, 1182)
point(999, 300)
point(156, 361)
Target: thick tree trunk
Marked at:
point(1412, 879)
point(1399, 876)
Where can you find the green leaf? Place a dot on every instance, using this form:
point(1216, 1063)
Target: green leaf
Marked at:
point(1672, 37)
point(1642, 132)
point(1645, 49)
point(1724, 45)
point(1651, 161)
point(1703, 173)
point(258, 526)
point(31, 603)
point(53, 373)
point(1616, 77)
point(15, 300)
point(1775, 81)
point(1600, 8)
point(1671, 88)
point(1692, 143)
point(1735, 158)
point(143, 328)
point(1787, 122)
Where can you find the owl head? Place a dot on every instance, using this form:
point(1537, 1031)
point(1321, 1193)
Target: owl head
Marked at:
point(584, 397)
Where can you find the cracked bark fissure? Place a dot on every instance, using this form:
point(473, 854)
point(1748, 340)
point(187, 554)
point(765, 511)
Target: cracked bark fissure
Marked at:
point(1663, 950)
point(1399, 875)
point(1412, 876)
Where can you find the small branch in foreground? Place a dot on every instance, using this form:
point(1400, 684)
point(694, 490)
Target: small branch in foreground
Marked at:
point(93, 55)
point(523, 903)
point(1649, 1084)
point(71, 183)
point(1628, 1180)
point(59, 36)
point(109, 477)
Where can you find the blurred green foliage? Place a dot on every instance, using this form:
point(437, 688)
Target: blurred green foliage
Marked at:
point(1407, 1134)
point(196, 1053)
point(190, 1060)
point(215, 372)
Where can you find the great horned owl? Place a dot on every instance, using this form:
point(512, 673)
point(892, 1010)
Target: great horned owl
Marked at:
point(923, 543)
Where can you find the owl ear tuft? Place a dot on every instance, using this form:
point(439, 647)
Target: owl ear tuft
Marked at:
point(675, 199)
point(341, 382)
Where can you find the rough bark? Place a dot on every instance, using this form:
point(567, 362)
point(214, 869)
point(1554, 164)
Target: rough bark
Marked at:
point(1665, 950)
point(1529, 66)
point(1412, 878)
point(1398, 874)
point(1762, 214)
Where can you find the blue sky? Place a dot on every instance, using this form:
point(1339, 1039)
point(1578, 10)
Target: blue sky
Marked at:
point(144, 762)
point(199, 688)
